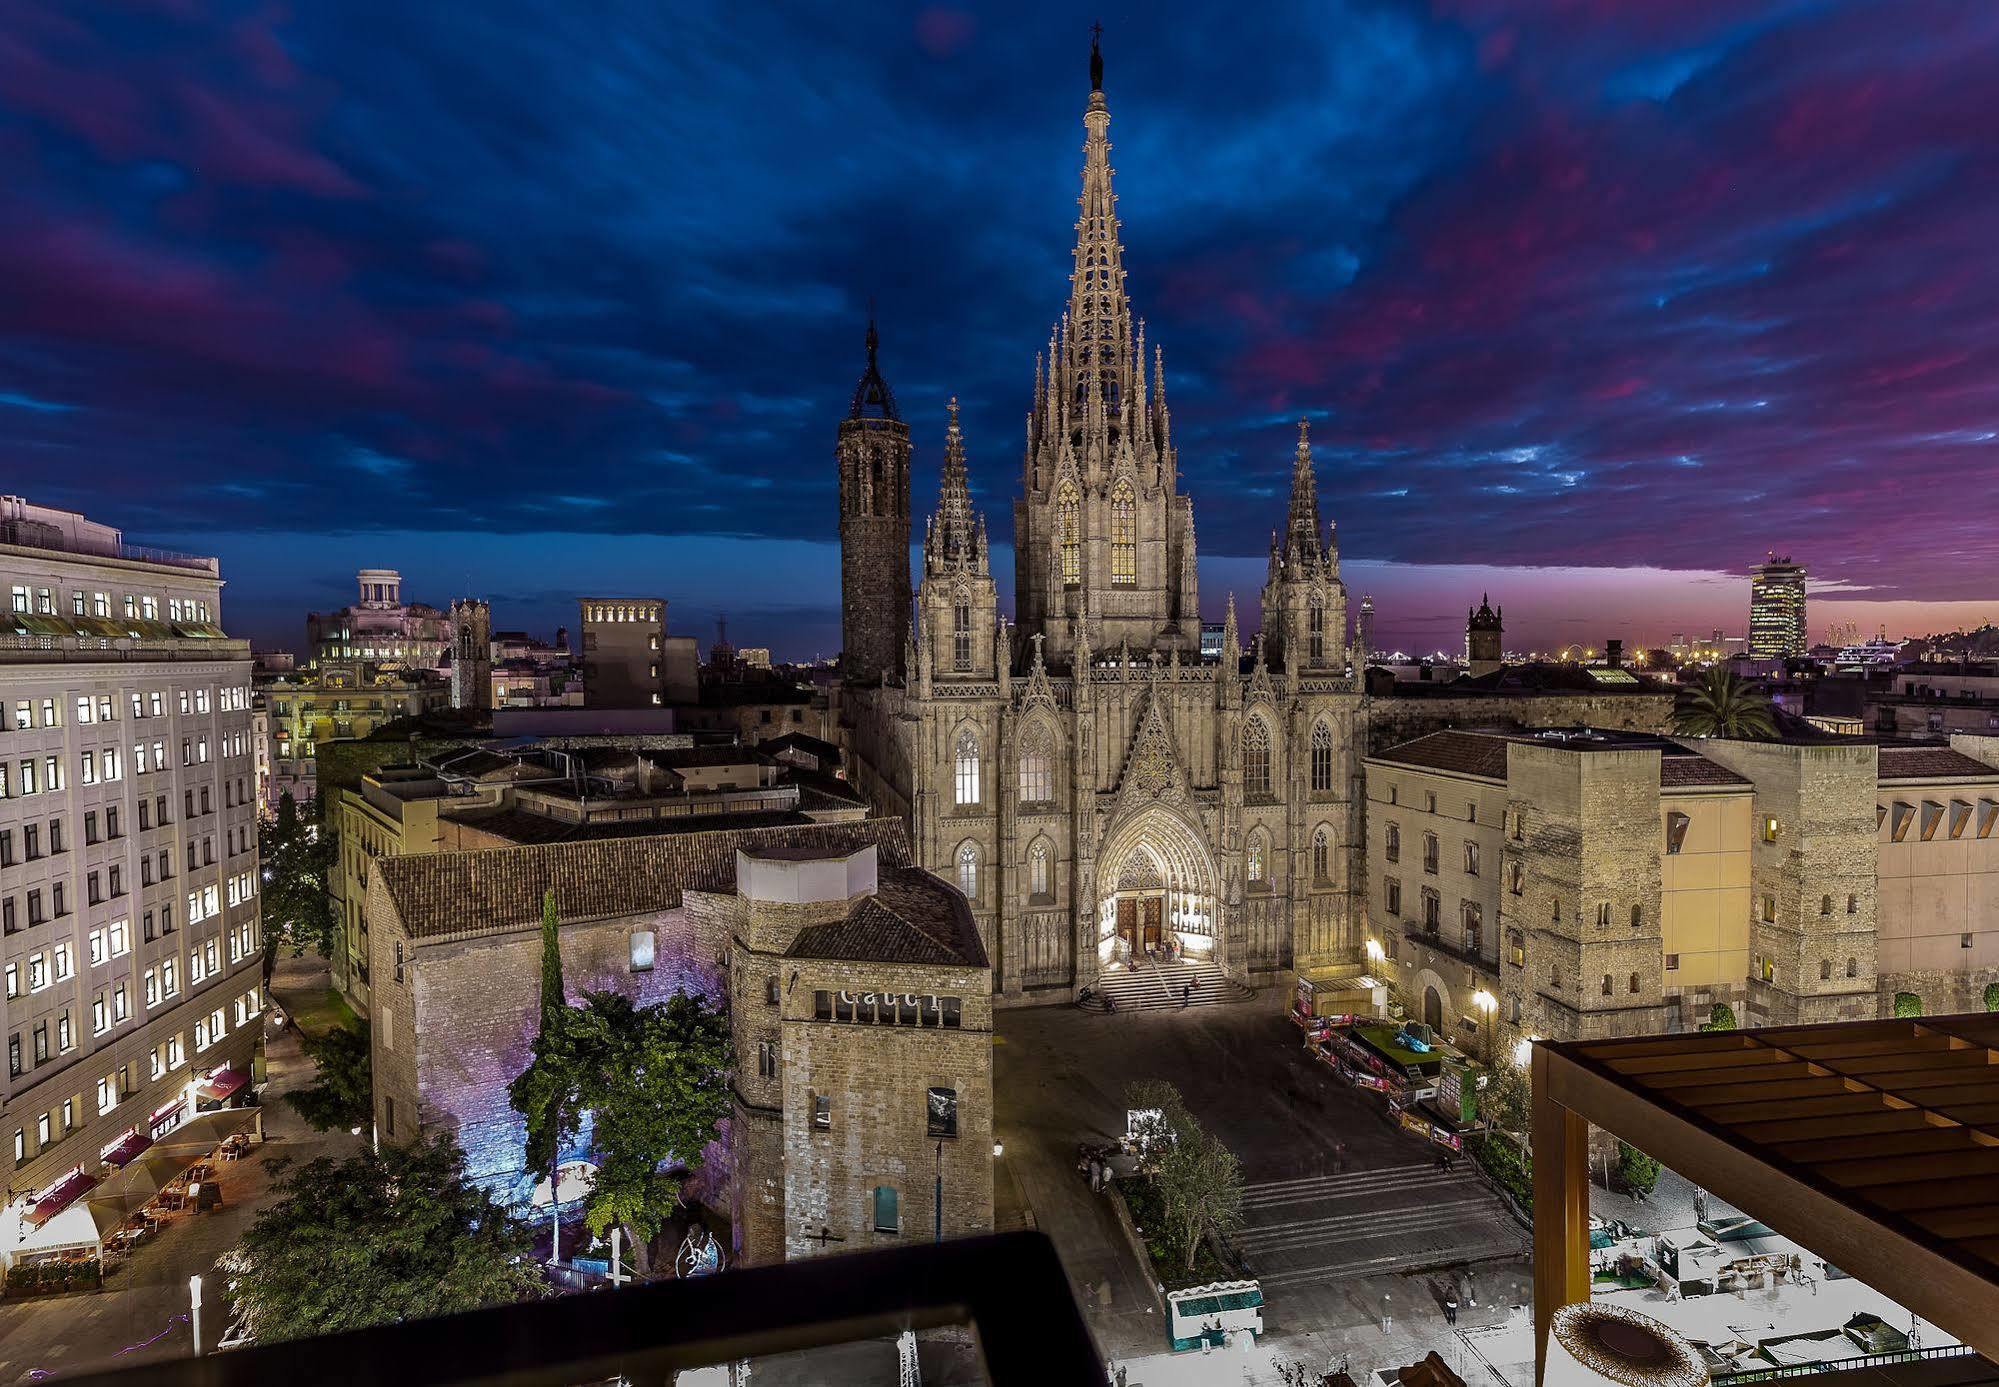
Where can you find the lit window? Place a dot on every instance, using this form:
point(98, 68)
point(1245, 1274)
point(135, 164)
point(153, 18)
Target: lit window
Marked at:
point(1069, 522)
point(1040, 882)
point(968, 767)
point(1255, 757)
point(1322, 758)
point(1037, 769)
point(1124, 535)
point(968, 871)
point(642, 945)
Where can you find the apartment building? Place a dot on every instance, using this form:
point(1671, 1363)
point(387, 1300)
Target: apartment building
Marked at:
point(129, 882)
point(1636, 881)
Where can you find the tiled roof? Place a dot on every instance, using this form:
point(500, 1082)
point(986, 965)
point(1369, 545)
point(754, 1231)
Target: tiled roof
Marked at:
point(1692, 769)
point(1924, 762)
point(912, 918)
point(1481, 754)
point(440, 895)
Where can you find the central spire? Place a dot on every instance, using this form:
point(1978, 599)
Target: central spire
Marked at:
point(1302, 531)
point(1099, 328)
point(956, 534)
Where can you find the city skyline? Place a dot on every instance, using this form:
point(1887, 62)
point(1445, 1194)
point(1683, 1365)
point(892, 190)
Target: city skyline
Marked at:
point(375, 299)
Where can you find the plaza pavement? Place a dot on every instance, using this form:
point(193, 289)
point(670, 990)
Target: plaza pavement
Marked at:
point(1333, 1243)
point(140, 1315)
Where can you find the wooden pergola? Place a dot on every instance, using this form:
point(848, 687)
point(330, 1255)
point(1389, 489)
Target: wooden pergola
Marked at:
point(1873, 1143)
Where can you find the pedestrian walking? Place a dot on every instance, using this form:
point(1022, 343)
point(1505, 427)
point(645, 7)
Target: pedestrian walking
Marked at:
point(1186, 994)
point(1386, 1318)
point(1340, 1157)
point(1471, 1291)
point(1451, 1308)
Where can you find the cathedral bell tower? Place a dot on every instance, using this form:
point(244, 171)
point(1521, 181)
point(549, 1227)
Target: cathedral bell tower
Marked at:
point(958, 631)
point(873, 452)
point(1485, 637)
point(1304, 601)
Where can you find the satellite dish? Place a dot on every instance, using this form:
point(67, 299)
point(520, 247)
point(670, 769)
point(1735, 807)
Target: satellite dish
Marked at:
point(573, 1181)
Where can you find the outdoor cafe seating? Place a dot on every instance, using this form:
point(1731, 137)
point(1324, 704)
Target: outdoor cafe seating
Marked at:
point(144, 1180)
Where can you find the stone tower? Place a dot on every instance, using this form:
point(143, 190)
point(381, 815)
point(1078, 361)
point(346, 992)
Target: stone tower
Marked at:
point(472, 655)
point(1304, 601)
point(958, 631)
point(1363, 631)
point(873, 453)
point(1484, 637)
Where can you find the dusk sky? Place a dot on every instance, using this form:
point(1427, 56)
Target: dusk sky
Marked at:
point(1592, 302)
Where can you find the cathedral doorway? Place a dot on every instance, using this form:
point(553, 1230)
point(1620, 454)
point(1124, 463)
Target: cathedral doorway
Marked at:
point(1157, 884)
point(1433, 1010)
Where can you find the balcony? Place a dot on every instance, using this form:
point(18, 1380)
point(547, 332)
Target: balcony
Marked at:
point(1010, 1289)
point(1868, 1143)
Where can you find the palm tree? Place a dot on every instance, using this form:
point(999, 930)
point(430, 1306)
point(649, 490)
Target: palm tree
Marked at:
point(1723, 704)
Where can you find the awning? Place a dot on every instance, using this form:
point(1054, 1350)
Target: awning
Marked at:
point(218, 1087)
point(78, 1226)
point(121, 1155)
point(59, 1198)
point(168, 1158)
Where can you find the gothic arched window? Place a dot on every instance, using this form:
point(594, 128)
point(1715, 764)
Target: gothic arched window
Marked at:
point(1257, 857)
point(968, 871)
point(1124, 535)
point(1316, 620)
point(968, 767)
point(1321, 854)
point(961, 635)
point(1037, 769)
point(1322, 758)
point(1040, 871)
point(1069, 521)
point(1255, 757)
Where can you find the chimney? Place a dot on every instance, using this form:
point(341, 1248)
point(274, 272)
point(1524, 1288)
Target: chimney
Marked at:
point(1613, 653)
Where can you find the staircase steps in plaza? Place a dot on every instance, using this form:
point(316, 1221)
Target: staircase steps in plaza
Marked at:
point(1152, 986)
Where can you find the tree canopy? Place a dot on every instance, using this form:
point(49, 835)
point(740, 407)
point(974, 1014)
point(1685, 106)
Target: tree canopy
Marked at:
point(655, 1083)
point(1197, 1177)
point(374, 1239)
point(1722, 704)
point(296, 858)
point(343, 1093)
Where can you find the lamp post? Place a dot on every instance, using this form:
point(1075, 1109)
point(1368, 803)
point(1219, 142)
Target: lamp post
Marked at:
point(194, 1310)
point(1489, 1005)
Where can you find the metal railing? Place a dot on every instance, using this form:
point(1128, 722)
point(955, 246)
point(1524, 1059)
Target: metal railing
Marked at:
point(1009, 1288)
point(1844, 1365)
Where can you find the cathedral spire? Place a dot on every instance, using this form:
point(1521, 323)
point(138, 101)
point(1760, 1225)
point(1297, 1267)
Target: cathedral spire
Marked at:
point(873, 390)
point(1099, 311)
point(1302, 538)
point(955, 535)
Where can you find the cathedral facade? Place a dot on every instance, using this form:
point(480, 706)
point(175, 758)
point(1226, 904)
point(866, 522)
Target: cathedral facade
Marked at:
point(1094, 784)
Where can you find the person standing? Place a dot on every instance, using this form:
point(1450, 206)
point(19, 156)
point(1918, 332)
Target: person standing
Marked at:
point(1451, 1307)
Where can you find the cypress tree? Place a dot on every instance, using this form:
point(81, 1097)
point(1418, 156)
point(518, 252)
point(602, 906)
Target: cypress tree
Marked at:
point(552, 1000)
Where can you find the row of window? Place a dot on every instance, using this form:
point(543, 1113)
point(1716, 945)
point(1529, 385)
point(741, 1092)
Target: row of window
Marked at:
point(94, 709)
point(116, 1087)
point(137, 606)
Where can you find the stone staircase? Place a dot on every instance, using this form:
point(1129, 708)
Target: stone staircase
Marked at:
point(1151, 986)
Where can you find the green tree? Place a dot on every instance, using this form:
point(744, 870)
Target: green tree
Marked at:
point(1722, 704)
point(1197, 1177)
point(1720, 1017)
point(655, 1082)
point(381, 1237)
point(343, 1094)
point(553, 999)
point(549, 1082)
point(1992, 996)
point(297, 858)
point(1908, 1004)
point(1637, 1171)
point(1507, 1100)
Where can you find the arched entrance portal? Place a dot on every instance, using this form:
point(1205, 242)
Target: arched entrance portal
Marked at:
point(1156, 883)
point(1433, 1010)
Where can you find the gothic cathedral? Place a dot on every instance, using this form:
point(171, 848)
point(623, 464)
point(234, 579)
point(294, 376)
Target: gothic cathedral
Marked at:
point(1097, 785)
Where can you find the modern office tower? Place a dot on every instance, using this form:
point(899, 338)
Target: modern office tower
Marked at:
point(1777, 609)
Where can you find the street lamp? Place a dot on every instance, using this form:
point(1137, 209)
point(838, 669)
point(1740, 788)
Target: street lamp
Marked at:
point(194, 1309)
point(1488, 1004)
point(1374, 951)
